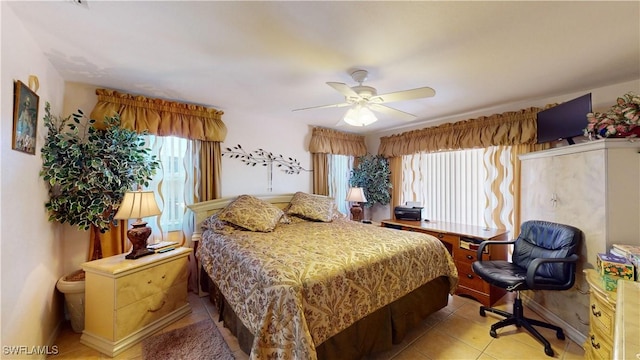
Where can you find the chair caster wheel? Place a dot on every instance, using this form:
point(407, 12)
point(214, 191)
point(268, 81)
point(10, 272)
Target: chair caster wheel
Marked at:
point(560, 335)
point(548, 351)
point(493, 333)
point(482, 312)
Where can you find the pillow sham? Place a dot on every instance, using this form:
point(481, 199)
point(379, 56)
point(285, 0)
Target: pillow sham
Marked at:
point(313, 207)
point(218, 226)
point(251, 213)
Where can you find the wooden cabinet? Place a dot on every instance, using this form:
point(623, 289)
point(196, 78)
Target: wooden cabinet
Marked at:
point(462, 242)
point(594, 187)
point(602, 310)
point(128, 300)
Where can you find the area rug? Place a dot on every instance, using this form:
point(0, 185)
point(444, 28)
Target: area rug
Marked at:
point(201, 340)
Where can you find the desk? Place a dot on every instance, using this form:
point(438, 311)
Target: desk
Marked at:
point(462, 242)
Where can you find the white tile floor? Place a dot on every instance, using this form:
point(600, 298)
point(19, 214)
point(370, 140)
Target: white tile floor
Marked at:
point(455, 332)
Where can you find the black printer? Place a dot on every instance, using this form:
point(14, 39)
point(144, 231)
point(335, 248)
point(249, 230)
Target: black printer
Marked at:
point(408, 213)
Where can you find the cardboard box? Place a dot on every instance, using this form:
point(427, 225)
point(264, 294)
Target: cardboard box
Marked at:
point(610, 283)
point(612, 265)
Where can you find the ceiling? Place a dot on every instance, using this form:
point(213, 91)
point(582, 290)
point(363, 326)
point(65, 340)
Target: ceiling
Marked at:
point(272, 57)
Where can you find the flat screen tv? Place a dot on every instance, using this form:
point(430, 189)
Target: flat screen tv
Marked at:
point(564, 121)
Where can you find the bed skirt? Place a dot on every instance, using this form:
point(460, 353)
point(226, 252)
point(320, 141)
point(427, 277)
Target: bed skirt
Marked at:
point(375, 333)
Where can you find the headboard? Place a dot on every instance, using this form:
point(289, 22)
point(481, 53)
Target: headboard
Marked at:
point(205, 209)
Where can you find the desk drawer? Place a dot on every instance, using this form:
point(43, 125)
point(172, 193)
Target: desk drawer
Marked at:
point(467, 255)
point(448, 238)
point(469, 279)
point(143, 312)
point(145, 283)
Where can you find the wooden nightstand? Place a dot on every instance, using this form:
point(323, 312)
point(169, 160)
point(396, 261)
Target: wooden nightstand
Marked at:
point(128, 300)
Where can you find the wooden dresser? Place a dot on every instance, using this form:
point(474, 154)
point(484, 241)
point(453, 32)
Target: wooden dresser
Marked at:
point(462, 242)
point(128, 300)
point(602, 313)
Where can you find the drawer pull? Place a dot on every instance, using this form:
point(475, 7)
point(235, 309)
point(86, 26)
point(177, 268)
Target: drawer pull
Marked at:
point(594, 312)
point(149, 282)
point(469, 257)
point(595, 346)
point(155, 310)
point(469, 276)
point(440, 236)
point(164, 277)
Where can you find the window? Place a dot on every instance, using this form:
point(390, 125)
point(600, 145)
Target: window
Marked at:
point(339, 173)
point(450, 185)
point(169, 183)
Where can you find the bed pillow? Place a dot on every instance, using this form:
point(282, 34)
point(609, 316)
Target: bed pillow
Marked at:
point(251, 213)
point(313, 207)
point(218, 226)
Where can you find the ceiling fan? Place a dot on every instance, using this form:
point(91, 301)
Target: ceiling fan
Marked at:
point(363, 99)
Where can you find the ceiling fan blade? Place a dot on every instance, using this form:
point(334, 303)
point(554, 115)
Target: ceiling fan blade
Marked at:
point(418, 93)
point(395, 113)
point(323, 106)
point(343, 89)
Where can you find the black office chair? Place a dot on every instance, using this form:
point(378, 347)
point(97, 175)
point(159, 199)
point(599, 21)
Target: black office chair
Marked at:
point(544, 258)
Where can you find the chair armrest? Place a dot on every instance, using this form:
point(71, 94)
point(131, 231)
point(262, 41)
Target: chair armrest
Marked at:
point(533, 267)
point(491, 242)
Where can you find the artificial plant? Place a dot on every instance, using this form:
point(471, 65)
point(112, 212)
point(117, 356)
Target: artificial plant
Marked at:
point(88, 170)
point(372, 174)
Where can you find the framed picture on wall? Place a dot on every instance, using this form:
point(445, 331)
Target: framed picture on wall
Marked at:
point(25, 118)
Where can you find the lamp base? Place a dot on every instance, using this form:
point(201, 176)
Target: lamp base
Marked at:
point(356, 212)
point(138, 236)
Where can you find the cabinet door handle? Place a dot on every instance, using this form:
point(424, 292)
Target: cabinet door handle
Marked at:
point(469, 276)
point(440, 236)
point(594, 312)
point(160, 307)
point(595, 346)
point(469, 257)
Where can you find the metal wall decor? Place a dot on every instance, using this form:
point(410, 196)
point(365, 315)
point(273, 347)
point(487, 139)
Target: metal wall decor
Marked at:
point(265, 158)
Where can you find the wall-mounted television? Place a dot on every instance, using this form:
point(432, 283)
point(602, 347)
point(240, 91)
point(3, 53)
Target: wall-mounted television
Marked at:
point(564, 121)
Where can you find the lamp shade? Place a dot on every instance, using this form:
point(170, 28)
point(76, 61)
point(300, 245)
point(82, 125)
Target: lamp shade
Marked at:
point(359, 116)
point(137, 205)
point(356, 194)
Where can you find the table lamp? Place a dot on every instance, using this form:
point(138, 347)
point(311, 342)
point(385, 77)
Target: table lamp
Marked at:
point(356, 196)
point(137, 205)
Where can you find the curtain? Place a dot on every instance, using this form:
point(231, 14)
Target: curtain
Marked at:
point(211, 170)
point(320, 174)
point(328, 141)
point(160, 117)
point(395, 166)
point(509, 128)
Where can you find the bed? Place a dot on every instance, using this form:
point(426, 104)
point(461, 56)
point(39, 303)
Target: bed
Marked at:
point(299, 280)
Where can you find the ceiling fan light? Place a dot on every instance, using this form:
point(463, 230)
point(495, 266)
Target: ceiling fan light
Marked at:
point(359, 116)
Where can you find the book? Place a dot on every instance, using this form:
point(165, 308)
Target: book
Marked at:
point(626, 250)
point(161, 245)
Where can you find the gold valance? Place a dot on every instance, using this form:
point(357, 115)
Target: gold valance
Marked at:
point(328, 141)
point(509, 128)
point(160, 117)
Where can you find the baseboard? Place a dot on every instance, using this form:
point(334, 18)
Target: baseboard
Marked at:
point(569, 331)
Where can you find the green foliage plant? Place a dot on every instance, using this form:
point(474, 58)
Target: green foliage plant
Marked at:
point(88, 170)
point(374, 176)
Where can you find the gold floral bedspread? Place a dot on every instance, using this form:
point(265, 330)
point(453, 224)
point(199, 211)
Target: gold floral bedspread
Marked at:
point(297, 286)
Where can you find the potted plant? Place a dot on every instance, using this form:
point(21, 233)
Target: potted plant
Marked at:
point(87, 171)
point(621, 120)
point(373, 175)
